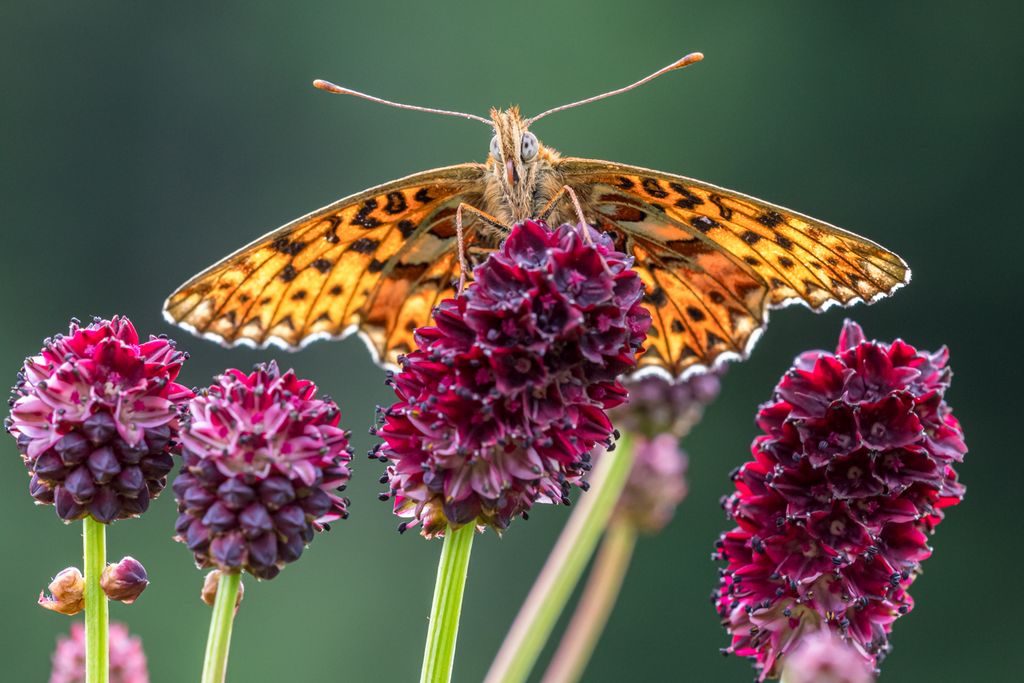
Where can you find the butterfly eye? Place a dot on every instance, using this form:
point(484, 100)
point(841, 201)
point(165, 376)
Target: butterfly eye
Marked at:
point(529, 147)
point(495, 148)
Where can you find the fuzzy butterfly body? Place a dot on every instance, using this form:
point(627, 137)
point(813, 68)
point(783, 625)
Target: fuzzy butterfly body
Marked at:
point(713, 261)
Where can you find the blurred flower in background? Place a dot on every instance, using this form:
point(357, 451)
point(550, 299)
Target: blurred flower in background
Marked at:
point(505, 397)
point(127, 659)
point(95, 417)
point(822, 657)
point(660, 413)
point(833, 514)
point(263, 462)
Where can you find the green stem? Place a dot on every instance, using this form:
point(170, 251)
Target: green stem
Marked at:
point(94, 546)
point(215, 666)
point(439, 651)
point(563, 568)
point(595, 605)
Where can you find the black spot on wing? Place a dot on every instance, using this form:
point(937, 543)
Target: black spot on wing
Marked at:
point(770, 218)
point(704, 224)
point(687, 199)
point(363, 217)
point(653, 188)
point(364, 245)
point(396, 203)
point(288, 273)
point(406, 228)
point(322, 265)
point(724, 211)
point(286, 246)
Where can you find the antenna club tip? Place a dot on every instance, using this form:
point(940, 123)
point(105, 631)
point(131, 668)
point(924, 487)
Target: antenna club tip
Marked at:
point(689, 59)
point(327, 86)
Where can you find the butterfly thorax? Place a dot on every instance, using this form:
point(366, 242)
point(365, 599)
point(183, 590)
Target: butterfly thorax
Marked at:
point(517, 188)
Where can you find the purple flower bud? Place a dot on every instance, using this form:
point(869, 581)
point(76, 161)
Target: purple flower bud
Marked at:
point(103, 465)
point(255, 520)
point(50, 467)
point(276, 492)
point(129, 482)
point(73, 449)
point(229, 550)
point(125, 580)
point(105, 505)
point(67, 592)
point(80, 484)
point(99, 427)
point(235, 494)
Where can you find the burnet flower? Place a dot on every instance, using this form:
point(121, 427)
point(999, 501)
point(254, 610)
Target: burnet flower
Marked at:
point(833, 514)
point(127, 658)
point(95, 417)
point(507, 394)
point(823, 657)
point(264, 459)
point(658, 414)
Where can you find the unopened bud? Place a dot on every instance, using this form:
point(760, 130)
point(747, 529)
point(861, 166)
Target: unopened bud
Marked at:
point(125, 580)
point(210, 583)
point(67, 592)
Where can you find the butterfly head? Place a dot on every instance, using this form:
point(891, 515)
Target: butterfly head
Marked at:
point(514, 149)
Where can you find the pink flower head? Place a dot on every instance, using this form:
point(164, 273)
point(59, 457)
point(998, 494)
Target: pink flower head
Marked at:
point(263, 459)
point(823, 657)
point(833, 514)
point(656, 484)
point(127, 659)
point(505, 397)
point(95, 416)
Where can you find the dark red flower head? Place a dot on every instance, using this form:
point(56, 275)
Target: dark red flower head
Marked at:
point(95, 415)
point(263, 458)
point(505, 397)
point(834, 511)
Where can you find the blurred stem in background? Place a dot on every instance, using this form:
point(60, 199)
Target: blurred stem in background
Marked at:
point(443, 631)
point(563, 568)
point(595, 605)
point(218, 642)
point(94, 542)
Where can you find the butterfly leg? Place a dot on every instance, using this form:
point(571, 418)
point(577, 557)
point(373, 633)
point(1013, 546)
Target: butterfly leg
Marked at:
point(546, 212)
point(459, 236)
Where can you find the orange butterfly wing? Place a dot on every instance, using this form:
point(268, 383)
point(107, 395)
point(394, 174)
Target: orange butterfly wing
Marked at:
point(715, 261)
point(374, 263)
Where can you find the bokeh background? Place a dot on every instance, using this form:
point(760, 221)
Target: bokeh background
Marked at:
point(143, 141)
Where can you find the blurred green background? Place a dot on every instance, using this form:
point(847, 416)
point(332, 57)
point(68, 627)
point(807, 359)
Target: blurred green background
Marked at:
point(143, 141)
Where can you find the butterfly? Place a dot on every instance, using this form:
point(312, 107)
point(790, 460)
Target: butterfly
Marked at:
point(713, 261)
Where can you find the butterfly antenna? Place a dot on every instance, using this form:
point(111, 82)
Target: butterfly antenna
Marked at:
point(689, 59)
point(327, 86)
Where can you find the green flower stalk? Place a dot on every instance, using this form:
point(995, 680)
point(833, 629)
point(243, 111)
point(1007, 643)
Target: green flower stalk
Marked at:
point(439, 651)
point(562, 571)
